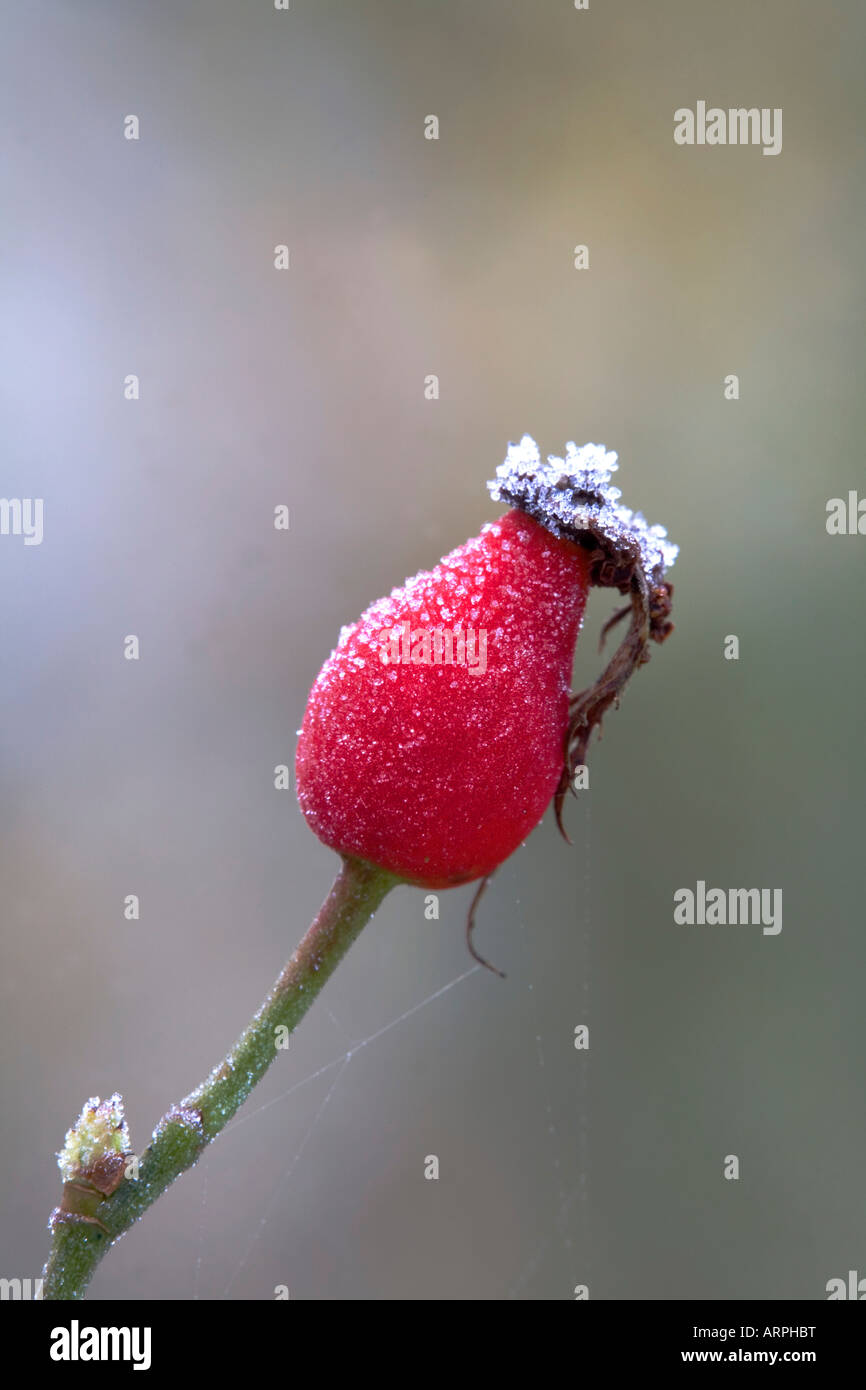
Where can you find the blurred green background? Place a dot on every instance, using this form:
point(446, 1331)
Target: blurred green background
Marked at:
point(411, 257)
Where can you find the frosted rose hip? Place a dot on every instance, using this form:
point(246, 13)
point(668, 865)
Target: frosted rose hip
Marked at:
point(434, 760)
point(437, 769)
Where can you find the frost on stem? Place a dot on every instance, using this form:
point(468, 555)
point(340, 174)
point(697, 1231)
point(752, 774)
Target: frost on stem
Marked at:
point(92, 1160)
point(95, 1144)
point(573, 498)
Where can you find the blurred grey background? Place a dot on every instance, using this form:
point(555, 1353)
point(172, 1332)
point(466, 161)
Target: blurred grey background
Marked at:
point(411, 257)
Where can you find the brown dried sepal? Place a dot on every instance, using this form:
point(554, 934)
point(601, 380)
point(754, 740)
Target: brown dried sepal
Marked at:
point(614, 564)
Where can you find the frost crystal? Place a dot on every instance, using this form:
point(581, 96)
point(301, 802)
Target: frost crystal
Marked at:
point(573, 497)
point(99, 1131)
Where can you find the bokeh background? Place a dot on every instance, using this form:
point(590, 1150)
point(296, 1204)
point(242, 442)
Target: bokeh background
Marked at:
point(411, 257)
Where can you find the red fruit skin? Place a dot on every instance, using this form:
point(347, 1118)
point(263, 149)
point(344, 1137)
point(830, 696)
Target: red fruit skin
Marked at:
point(428, 770)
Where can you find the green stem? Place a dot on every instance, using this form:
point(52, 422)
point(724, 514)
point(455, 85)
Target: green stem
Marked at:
point(88, 1224)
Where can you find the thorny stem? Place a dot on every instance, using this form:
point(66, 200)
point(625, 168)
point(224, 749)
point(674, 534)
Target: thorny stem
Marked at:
point(87, 1223)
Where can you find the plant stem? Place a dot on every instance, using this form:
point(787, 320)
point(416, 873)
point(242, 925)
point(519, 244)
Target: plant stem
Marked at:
point(88, 1223)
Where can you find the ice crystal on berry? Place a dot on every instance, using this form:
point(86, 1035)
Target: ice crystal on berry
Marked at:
point(573, 497)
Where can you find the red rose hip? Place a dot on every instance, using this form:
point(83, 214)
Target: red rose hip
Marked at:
point(433, 738)
point(440, 728)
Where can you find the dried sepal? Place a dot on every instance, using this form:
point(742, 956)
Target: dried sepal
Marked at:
point(573, 498)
